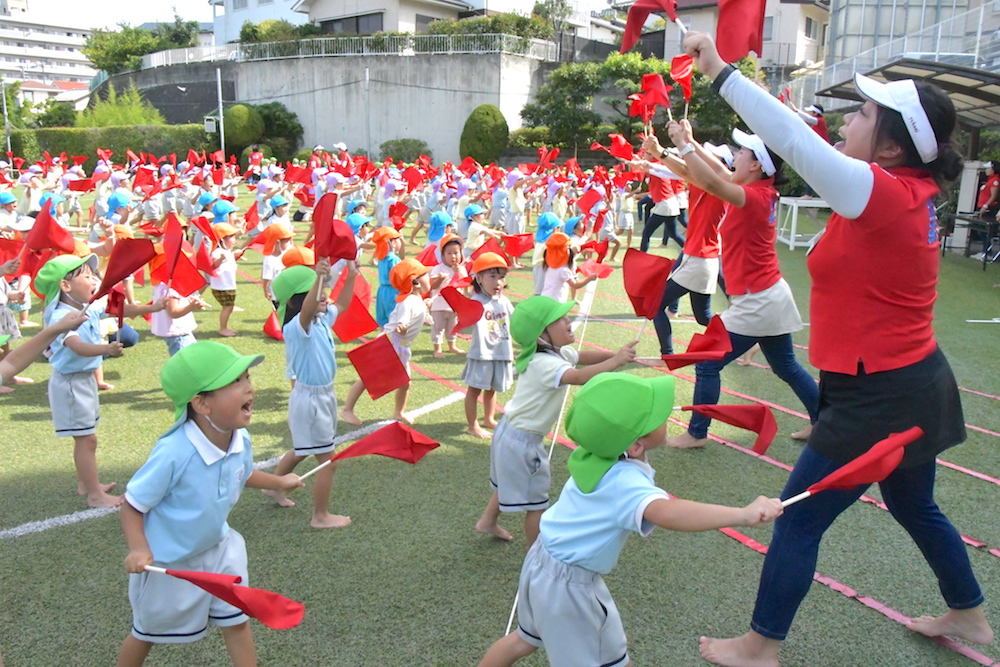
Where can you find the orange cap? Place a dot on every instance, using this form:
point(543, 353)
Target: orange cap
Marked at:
point(156, 262)
point(381, 237)
point(81, 249)
point(557, 250)
point(489, 260)
point(403, 274)
point(123, 232)
point(448, 238)
point(224, 229)
point(272, 233)
point(298, 256)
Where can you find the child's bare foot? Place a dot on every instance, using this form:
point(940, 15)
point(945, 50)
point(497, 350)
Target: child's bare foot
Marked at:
point(750, 650)
point(477, 431)
point(803, 434)
point(349, 417)
point(6, 390)
point(490, 423)
point(401, 417)
point(454, 349)
point(228, 333)
point(104, 500)
point(330, 521)
point(493, 529)
point(968, 624)
point(28, 325)
point(686, 441)
point(281, 499)
point(105, 386)
point(80, 491)
point(747, 357)
point(23, 380)
point(438, 354)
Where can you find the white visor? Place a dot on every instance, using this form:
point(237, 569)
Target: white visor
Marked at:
point(754, 143)
point(902, 96)
point(812, 108)
point(722, 152)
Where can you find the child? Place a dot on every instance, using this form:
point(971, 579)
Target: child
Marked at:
point(223, 283)
point(9, 331)
point(178, 502)
point(489, 366)
point(563, 603)
point(442, 275)
point(478, 229)
point(548, 223)
point(559, 276)
point(409, 277)
point(388, 246)
point(175, 324)
point(309, 351)
point(546, 366)
point(68, 282)
point(625, 212)
point(277, 239)
point(20, 358)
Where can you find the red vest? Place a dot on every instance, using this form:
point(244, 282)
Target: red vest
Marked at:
point(705, 211)
point(749, 260)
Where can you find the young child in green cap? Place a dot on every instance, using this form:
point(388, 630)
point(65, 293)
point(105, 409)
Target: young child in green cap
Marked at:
point(547, 365)
point(68, 282)
point(309, 353)
point(176, 505)
point(615, 420)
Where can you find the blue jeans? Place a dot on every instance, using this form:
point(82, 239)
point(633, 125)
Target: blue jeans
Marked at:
point(791, 557)
point(780, 355)
point(701, 305)
point(177, 343)
point(126, 335)
point(653, 222)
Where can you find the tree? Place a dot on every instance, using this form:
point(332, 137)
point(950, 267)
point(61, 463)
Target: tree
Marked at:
point(282, 129)
point(555, 12)
point(178, 35)
point(56, 114)
point(129, 108)
point(565, 104)
point(485, 134)
point(244, 126)
point(17, 114)
point(121, 50)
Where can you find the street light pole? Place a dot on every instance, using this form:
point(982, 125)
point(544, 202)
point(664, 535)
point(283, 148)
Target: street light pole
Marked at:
point(6, 120)
point(222, 127)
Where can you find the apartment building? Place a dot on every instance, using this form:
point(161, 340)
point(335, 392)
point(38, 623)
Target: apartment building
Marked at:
point(41, 49)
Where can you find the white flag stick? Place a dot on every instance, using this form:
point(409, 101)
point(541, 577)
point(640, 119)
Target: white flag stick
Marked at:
point(510, 621)
point(153, 568)
point(317, 468)
point(795, 499)
point(641, 329)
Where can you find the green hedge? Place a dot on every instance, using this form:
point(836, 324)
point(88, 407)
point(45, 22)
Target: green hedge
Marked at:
point(161, 140)
point(485, 135)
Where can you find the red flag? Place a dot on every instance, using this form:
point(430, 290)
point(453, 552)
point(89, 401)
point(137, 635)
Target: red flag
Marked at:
point(46, 233)
point(413, 178)
point(468, 166)
point(655, 91)
point(637, 15)
point(272, 327)
point(397, 441)
point(682, 72)
point(275, 611)
point(518, 244)
point(379, 367)
point(218, 156)
point(140, 276)
point(203, 259)
point(592, 268)
point(186, 279)
point(173, 242)
point(620, 147)
point(491, 245)
point(873, 466)
point(81, 185)
point(149, 229)
point(712, 345)
point(428, 256)
point(756, 418)
point(9, 249)
point(202, 224)
point(645, 277)
point(116, 304)
point(193, 158)
point(469, 311)
point(127, 257)
point(335, 240)
point(132, 157)
point(740, 29)
point(356, 321)
point(397, 213)
point(251, 218)
point(781, 97)
point(600, 248)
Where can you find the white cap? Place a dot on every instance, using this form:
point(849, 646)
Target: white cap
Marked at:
point(754, 143)
point(340, 146)
point(4, 164)
point(812, 108)
point(902, 96)
point(723, 152)
point(317, 148)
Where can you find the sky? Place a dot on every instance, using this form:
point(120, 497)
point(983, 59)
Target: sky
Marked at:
point(108, 13)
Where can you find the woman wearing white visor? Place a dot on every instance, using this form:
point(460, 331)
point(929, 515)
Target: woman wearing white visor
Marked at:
point(874, 274)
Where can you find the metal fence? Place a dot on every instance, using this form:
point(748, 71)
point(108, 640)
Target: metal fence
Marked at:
point(374, 45)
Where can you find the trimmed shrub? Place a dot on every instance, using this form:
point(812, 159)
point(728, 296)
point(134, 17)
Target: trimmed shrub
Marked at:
point(244, 126)
point(303, 155)
point(161, 140)
point(404, 150)
point(530, 137)
point(485, 135)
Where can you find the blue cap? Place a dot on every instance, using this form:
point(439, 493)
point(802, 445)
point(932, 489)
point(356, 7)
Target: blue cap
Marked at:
point(56, 199)
point(205, 198)
point(473, 209)
point(439, 222)
point(547, 223)
point(356, 221)
point(355, 204)
point(277, 201)
point(117, 201)
point(571, 224)
point(222, 209)
point(7, 198)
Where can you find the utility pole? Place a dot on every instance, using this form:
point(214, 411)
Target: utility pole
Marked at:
point(222, 126)
point(6, 119)
point(368, 116)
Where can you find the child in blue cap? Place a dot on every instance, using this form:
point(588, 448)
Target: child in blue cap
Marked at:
point(563, 604)
point(547, 224)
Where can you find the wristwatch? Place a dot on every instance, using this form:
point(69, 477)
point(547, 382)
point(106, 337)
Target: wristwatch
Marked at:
point(687, 148)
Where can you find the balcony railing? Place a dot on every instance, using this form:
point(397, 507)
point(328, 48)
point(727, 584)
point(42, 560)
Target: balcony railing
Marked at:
point(374, 45)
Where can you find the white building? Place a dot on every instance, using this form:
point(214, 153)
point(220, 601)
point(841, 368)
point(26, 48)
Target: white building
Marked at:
point(230, 15)
point(38, 48)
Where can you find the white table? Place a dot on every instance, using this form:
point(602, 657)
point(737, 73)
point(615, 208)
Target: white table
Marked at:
point(788, 220)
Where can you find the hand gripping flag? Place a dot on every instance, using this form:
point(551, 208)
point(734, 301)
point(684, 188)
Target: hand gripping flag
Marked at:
point(645, 278)
point(379, 367)
point(397, 441)
point(469, 311)
point(756, 418)
point(873, 466)
point(740, 29)
point(712, 345)
point(637, 15)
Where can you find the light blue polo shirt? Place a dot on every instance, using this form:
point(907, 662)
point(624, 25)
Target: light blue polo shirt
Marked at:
point(186, 489)
point(63, 359)
point(589, 529)
point(310, 356)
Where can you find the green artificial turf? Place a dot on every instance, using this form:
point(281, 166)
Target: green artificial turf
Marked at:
point(411, 583)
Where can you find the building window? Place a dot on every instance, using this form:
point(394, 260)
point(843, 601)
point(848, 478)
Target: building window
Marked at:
point(239, 4)
point(768, 28)
point(367, 24)
point(264, 2)
point(812, 28)
point(424, 22)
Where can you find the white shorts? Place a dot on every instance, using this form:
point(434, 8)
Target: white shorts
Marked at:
point(606, 234)
point(167, 610)
point(625, 221)
point(74, 404)
point(519, 469)
point(312, 419)
point(569, 612)
point(488, 375)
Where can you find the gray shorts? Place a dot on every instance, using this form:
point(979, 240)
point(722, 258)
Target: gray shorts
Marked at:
point(167, 610)
point(74, 404)
point(519, 469)
point(488, 375)
point(569, 612)
point(312, 419)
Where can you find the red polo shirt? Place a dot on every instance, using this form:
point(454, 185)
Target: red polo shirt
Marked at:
point(749, 260)
point(705, 211)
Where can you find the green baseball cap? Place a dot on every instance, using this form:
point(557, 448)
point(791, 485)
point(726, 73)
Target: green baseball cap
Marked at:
point(203, 366)
point(608, 414)
point(51, 274)
point(528, 322)
point(293, 280)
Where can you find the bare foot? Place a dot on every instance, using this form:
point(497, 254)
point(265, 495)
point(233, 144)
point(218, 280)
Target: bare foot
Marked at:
point(28, 325)
point(330, 521)
point(671, 314)
point(349, 417)
point(686, 441)
point(402, 418)
point(23, 380)
point(455, 350)
point(281, 499)
point(80, 491)
point(968, 624)
point(228, 333)
point(750, 650)
point(487, 528)
point(105, 386)
point(490, 423)
point(439, 354)
point(747, 357)
point(477, 431)
point(237, 309)
point(104, 500)
point(803, 434)
point(6, 390)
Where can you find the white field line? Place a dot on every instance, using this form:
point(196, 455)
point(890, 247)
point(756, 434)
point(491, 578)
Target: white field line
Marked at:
point(76, 517)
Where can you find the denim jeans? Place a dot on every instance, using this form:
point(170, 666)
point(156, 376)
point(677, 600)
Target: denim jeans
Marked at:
point(780, 355)
point(701, 305)
point(177, 343)
point(125, 335)
point(653, 222)
point(791, 557)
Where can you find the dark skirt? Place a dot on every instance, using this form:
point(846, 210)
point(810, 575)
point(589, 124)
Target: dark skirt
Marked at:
point(857, 411)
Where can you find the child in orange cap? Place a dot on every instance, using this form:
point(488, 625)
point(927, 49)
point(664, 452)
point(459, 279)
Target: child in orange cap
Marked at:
point(223, 283)
point(559, 277)
point(388, 253)
point(277, 240)
point(489, 366)
point(410, 279)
